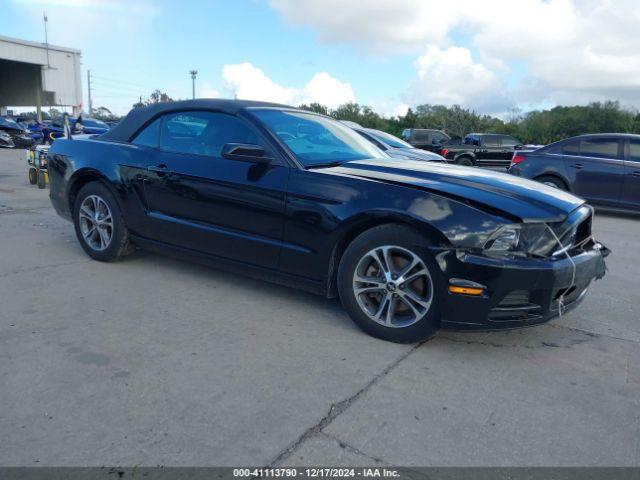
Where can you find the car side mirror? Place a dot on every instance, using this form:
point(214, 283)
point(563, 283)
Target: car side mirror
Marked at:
point(245, 152)
point(518, 147)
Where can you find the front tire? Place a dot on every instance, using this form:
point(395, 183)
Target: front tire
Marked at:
point(389, 283)
point(99, 224)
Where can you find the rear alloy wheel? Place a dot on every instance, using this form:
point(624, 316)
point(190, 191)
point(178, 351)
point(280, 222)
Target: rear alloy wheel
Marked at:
point(99, 225)
point(552, 182)
point(96, 222)
point(388, 283)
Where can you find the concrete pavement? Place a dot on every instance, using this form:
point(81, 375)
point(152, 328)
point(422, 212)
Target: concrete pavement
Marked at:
point(153, 361)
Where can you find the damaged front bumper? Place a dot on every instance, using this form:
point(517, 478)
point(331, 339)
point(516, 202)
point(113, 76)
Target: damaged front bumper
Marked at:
point(516, 292)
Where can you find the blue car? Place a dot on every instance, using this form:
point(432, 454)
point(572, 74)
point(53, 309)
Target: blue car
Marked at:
point(90, 126)
point(33, 126)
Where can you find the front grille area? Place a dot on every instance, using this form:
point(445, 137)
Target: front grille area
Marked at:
point(515, 306)
point(570, 294)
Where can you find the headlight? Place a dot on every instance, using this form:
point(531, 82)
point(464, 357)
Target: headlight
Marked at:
point(523, 239)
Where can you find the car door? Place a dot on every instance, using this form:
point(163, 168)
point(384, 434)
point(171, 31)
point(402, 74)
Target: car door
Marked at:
point(199, 200)
point(631, 184)
point(489, 151)
point(596, 170)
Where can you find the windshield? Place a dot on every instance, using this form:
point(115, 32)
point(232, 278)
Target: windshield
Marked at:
point(91, 122)
point(389, 139)
point(317, 140)
point(8, 122)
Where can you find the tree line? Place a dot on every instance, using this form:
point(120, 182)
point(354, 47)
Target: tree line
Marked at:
point(536, 127)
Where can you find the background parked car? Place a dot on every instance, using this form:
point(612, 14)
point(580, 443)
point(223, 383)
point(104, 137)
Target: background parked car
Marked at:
point(602, 168)
point(482, 149)
point(20, 136)
point(6, 140)
point(395, 147)
point(34, 127)
point(425, 138)
point(90, 126)
point(80, 125)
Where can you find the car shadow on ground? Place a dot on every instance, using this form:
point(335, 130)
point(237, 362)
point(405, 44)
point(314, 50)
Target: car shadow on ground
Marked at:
point(548, 335)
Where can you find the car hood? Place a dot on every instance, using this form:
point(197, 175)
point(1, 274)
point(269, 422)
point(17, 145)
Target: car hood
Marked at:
point(523, 199)
point(414, 154)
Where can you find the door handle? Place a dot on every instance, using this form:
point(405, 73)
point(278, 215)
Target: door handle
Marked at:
point(577, 165)
point(161, 169)
point(636, 173)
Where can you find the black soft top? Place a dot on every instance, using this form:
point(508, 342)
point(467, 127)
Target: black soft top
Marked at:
point(139, 117)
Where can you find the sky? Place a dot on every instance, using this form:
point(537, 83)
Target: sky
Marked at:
point(493, 56)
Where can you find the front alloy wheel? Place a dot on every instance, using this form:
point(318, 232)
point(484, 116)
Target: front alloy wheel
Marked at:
point(393, 286)
point(389, 284)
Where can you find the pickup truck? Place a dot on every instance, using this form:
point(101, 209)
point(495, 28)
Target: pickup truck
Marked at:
point(482, 149)
point(425, 138)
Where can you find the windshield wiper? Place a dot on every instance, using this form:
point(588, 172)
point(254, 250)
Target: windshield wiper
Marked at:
point(325, 165)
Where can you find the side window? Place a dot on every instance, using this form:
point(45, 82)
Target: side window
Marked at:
point(599, 148)
point(148, 136)
point(570, 148)
point(509, 141)
point(634, 151)
point(406, 134)
point(372, 140)
point(203, 133)
point(439, 138)
point(420, 136)
point(490, 141)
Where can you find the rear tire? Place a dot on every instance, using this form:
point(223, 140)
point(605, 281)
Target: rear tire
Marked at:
point(42, 179)
point(465, 162)
point(99, 224)
point(552, 182)
point(397, 310)
point(33, 176)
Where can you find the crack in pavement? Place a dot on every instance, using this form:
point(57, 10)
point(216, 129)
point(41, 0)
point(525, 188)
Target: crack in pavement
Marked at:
point(337, 409)
point(351, 448)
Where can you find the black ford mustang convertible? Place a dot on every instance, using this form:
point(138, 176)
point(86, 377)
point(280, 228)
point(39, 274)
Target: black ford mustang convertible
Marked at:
point(300, 199)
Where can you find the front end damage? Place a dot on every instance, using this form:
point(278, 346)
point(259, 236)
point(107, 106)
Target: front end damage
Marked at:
point(487, 291)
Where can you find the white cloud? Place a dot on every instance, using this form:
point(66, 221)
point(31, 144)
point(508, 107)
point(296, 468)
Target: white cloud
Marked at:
point(207, 91)
point(244, 80)
point(379, 25)
point(326, 90)
point(451, 77)
point(573, 50)
point(249, 82)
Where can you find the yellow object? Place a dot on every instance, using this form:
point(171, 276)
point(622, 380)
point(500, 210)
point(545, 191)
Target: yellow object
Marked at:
point(465, 290)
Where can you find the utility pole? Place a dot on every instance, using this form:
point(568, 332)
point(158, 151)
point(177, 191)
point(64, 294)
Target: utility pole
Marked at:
point(46, 37)
point(89, 90)
point(193, 83)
